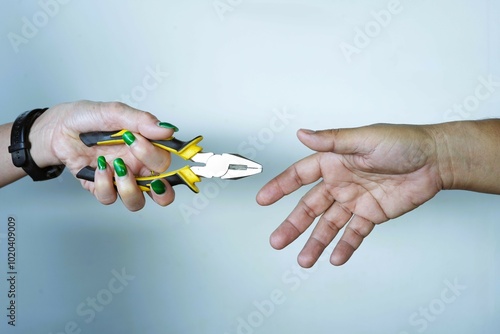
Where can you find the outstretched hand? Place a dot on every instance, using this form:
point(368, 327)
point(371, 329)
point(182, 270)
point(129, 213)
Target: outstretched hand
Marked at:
point(368, 176)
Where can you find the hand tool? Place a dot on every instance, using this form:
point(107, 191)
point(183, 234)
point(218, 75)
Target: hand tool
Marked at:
point(225, 165)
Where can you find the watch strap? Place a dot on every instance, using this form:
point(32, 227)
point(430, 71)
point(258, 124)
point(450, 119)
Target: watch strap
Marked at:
point(20, 148)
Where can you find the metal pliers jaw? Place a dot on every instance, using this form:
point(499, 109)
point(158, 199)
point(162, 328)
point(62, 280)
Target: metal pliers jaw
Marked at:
point(224, 166)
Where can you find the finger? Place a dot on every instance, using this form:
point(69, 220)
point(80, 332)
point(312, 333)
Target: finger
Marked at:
point(341, 141)
point(357, 229)
point(154, 158)
point(310, 206)
point(90, 116)
point(303, 172)
point(161, 192)
point(117, 115)
point(104, 188)
point(130, 193)
point(330, 223)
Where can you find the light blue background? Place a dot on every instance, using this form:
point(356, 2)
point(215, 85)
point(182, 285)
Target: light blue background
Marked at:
point(205, 271)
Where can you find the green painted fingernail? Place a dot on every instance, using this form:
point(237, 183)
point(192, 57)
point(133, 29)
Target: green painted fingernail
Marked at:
point(101, 163)
point(158, 187)
point(168, 126)
point(128, 137)
point(120, 168)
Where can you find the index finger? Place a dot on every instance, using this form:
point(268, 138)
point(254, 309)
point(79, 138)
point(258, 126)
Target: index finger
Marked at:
point(305, 171)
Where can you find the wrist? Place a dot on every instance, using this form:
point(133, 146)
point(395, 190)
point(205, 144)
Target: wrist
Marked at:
point(40, 137)
point(453, 154)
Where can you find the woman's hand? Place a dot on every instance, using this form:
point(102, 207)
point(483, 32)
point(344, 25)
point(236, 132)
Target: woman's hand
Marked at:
point(55, 140)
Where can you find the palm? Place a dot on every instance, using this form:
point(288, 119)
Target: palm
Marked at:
point(381, 185)
point(369, 175)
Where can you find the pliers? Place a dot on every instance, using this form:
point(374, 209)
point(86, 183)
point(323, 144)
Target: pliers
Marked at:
point(225, 165)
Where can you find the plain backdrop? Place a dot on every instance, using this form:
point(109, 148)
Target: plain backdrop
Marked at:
point(246, 75)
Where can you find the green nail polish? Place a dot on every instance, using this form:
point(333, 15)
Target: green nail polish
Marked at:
point(101, 163)
point(128, 137)
point(158, 187)
point(120, 168)
point(168, 126)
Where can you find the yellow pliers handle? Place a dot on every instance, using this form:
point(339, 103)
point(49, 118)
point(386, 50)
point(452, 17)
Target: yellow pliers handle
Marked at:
point(185, 150)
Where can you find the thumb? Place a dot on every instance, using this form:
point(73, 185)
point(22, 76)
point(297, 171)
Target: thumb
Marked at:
point(150, 127)
point(135, 120)
point(341, 141)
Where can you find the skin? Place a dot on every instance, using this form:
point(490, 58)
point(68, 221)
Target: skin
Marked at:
point(372, 174)
point(367, 175)
point(55, 141)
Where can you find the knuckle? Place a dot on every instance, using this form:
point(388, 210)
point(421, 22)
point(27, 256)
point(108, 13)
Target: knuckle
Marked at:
point(157, 160)
point(107, 199)
point(331, 224)
point(334, 132)
point(149, 116)
point(116, 106)
point(308, 210)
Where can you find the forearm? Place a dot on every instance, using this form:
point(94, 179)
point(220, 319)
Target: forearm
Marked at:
point(9, 172)
point(469, 155)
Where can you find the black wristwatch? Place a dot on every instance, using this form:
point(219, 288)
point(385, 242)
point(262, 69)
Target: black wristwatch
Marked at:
point(20, 148)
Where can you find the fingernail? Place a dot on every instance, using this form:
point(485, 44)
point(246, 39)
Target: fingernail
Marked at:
point(158, 187)
point(128, 137)
point(101, 163)
point(120, 168)
point(168, 126)
point(309, 132)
